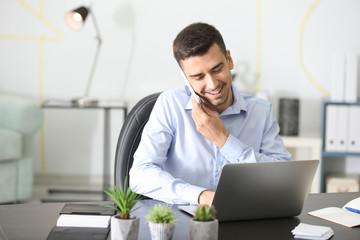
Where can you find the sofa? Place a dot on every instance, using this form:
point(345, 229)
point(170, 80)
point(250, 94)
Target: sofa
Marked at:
point(20, 119)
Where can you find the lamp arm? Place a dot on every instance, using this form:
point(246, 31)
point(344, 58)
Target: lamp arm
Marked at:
point(99, 39)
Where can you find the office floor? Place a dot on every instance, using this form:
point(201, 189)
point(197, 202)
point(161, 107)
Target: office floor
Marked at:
point(56, 188)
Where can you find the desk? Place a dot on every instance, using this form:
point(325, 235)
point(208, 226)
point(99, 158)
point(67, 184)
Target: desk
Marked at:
point(106, 107)
point(34, 221)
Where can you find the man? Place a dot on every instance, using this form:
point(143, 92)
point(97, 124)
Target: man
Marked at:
point(185, 145)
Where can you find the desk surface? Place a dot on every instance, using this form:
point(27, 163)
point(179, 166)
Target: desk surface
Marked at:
point(34, 221)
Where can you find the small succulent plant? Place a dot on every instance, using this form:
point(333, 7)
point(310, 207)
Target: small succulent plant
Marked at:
point(124, 198)
point(204, 213)
point(161, 214)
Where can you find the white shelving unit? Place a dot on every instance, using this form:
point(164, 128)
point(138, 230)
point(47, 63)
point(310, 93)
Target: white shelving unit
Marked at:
point(340, 134)
point(310, 143)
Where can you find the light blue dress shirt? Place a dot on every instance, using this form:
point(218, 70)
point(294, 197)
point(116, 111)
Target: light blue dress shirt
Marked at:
point(174, 163)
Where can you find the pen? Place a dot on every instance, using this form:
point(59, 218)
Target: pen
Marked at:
point(353, 210)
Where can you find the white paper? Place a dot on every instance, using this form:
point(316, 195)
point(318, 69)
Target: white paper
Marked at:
point(307, 231)
point(311, 230)
point(355, 204)
point(74, 220)
point(314, 238)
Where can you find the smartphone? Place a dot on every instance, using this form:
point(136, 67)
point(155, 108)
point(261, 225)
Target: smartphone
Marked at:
point(197, 98)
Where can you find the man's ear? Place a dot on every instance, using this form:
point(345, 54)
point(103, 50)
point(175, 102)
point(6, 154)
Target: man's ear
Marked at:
point(229, 60)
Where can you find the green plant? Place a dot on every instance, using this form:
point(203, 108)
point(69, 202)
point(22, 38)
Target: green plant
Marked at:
point(124, 198)
point(161, 214)
point(204, 213)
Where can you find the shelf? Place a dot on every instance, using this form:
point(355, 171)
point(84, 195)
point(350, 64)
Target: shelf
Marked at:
point(311, 143)
point(339, 154)
point(341, 122)
point(341, 103)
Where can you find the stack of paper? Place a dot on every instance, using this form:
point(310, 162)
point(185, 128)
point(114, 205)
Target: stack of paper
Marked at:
point(85, 215)
point(307, 231)
point(74, 220)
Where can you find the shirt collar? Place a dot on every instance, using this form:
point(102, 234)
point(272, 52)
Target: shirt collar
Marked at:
point(238, 105)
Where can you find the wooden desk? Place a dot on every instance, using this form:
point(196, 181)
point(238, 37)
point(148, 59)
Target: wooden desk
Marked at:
point(34, 221)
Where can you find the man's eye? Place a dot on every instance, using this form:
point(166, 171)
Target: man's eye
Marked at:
point(200, 77)
point(217, 70)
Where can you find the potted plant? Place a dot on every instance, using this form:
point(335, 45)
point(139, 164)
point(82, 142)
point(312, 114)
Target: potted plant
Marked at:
point(161, 222)
point(204, 225)
point(124, 225)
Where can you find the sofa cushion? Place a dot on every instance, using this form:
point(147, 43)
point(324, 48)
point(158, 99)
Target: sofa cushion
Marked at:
point(10, 144)
point(8, 182)
point(20, 114)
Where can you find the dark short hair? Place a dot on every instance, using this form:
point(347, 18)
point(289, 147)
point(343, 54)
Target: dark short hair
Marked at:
point(195, 40)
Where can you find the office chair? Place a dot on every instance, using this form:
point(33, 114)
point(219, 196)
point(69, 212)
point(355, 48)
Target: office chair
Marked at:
point(130, 136)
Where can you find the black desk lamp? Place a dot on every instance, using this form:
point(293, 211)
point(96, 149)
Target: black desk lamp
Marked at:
point(75, 19)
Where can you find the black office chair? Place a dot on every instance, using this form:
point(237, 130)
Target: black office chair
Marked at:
point(130, 136)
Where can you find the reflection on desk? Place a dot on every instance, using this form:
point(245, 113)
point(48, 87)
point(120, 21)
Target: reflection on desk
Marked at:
point(34, 221)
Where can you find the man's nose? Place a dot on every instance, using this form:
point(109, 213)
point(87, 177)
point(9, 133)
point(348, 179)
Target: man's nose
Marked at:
point(211, 82)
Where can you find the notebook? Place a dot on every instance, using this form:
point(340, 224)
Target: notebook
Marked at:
point(85, 215)
point(348, 216)
point(262, 190)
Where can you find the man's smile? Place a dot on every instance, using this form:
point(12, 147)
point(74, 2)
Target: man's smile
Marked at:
point(217, 92)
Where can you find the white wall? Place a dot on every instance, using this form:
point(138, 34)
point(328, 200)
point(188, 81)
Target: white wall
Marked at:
point(41, 58)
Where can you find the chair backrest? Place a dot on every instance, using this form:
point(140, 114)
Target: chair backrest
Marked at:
point(130, 136)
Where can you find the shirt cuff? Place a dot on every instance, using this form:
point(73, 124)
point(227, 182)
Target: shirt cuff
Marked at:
point(191, 194)
point(233, 149)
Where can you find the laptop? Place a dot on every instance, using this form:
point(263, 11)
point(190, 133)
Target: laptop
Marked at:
point(262, 190)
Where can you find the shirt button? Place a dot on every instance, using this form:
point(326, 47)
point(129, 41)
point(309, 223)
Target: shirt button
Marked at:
point(227, 156)
point(219, 169)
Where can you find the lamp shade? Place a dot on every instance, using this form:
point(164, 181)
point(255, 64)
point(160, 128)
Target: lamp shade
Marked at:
point(76, 18)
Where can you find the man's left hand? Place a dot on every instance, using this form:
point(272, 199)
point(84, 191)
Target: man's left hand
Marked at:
point(206, 197)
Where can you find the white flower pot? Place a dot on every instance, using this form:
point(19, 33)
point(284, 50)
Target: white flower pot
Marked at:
point(161, 231)
point(204, 230)
point(124, 228)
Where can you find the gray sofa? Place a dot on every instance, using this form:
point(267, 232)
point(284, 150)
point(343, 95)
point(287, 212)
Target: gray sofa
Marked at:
point(20, 119)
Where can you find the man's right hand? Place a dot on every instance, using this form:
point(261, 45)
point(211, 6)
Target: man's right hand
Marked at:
point(209, 124)
point(206, 197)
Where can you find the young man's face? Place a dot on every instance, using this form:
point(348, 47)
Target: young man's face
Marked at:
point(210, 77)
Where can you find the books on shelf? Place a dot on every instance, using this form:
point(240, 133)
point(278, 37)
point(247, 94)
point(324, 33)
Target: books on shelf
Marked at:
point(336, 128)
point(342, 129)
point(348, 216)
point(354, 129)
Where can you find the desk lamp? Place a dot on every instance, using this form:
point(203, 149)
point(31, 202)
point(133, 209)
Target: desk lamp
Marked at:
point(75, 19)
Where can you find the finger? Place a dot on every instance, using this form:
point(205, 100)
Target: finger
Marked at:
point(198, 108)
point(194, 102)
point(196, 111)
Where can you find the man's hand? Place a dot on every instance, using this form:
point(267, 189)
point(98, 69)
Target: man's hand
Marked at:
point(206, 197)
point(209, 124)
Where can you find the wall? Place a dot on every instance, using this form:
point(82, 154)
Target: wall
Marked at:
point(280, 47)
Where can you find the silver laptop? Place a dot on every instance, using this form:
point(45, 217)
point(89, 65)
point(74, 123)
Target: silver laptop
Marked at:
point(262, 190)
